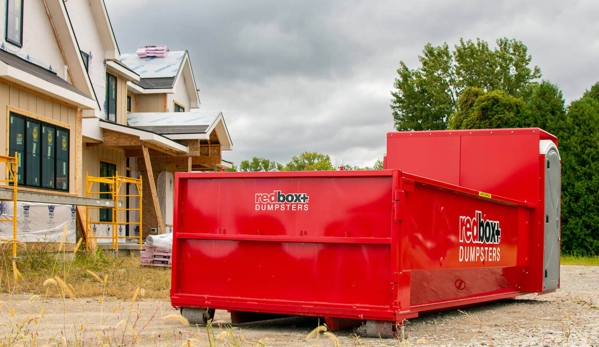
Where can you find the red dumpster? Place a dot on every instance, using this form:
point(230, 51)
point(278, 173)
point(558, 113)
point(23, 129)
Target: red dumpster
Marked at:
point(441, 227)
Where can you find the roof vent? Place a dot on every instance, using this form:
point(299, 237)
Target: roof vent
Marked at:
point(152, 51)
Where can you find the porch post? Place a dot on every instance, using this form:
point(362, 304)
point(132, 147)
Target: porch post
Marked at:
point(152, 184)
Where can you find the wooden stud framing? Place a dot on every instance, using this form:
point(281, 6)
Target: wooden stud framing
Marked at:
point(92, 242)
point(153, 189)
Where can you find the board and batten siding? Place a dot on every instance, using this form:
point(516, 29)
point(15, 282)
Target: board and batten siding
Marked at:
point(121, 102)
point(34, 105)
point(92, 156)
point(151, 103)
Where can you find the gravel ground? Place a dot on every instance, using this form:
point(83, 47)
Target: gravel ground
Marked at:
point(568, 317)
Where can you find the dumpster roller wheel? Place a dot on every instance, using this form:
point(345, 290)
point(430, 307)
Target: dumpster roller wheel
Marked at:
point(197, 315)
point(378, 329)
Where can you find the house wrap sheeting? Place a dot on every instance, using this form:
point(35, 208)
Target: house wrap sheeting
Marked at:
point(171, 118)
point(37, 222)
point(153, 67)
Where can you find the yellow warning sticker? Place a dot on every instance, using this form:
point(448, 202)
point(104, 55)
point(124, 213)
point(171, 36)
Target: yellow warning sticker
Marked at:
point(484, 195)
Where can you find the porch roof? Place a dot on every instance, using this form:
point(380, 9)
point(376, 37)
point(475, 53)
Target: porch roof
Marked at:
point(128, 137)
point(195, 125)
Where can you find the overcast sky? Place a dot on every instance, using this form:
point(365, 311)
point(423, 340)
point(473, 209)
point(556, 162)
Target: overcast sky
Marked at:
point(295, 76)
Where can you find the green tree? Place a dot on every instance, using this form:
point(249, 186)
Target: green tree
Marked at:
point(259, 164)
point(424, 98)
point(546, 107)
point(487, 110)
point(378, 164)
point(310, 161)
point(233, 168)
point(578, 136)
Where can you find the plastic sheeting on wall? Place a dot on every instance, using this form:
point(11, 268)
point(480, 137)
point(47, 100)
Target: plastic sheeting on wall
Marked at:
point(38, 222)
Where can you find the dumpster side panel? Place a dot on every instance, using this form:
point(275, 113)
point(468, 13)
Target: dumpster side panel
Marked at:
point(436, 157)
point(285, 243)
point(496, 161)
point(459, 245)
point(504, 164)
point(285, 271)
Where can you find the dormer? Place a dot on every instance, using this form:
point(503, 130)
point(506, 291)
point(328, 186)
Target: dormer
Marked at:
point(166, 84)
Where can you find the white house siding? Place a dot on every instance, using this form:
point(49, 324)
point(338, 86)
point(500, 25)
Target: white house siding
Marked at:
point(181, 96)
point(39, 41)
point(89, 42)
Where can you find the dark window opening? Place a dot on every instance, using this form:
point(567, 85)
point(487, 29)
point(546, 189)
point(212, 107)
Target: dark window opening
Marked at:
point(85, 58)
point(32, 154)
point(14, 22)
point(110, 98)
point(43, 151)
point(106, 170)
point(128, 103)
point(48, 156)
point(179, 108)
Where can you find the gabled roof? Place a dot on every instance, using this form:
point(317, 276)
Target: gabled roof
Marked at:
point(37, 71)
point(184, 125)
point(160, 75)
point(21, 71)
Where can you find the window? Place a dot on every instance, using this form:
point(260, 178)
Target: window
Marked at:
point(85, 58)
point(106, 170)
point(48, 156)
point(179, 107)
point(43, 151)
point(128, 103)
point(62, 159)
point(110, 98)
point(14, 22)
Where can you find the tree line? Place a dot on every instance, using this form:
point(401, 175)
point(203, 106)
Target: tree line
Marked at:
point(473, 86)
point(306, 161)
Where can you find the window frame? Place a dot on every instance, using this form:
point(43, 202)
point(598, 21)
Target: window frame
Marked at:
point(176, 104)
point(128, 103)
point(9, 39)
point(25, 160)
point(108, 104)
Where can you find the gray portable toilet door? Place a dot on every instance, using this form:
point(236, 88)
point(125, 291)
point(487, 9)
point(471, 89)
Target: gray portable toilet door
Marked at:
point(552, 230)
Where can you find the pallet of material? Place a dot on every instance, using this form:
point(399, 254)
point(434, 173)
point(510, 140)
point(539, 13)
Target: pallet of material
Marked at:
point(155, 256)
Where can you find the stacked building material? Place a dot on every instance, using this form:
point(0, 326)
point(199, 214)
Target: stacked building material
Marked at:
point(152, 51)
point(155, 256)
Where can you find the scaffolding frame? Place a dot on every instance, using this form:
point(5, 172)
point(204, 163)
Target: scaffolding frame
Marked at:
point(114, 184)
point(11, 178)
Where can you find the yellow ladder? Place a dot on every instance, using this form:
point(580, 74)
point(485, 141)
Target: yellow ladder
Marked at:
point(114, 184)
point(11, 178)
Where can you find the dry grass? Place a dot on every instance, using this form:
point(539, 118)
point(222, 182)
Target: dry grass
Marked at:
point(579, 260)
point(41, 272)
point(92, 275)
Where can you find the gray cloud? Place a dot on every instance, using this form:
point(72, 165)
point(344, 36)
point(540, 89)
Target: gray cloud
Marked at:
point(294, 76)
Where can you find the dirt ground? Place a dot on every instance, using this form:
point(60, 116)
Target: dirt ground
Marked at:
point(568, 317)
